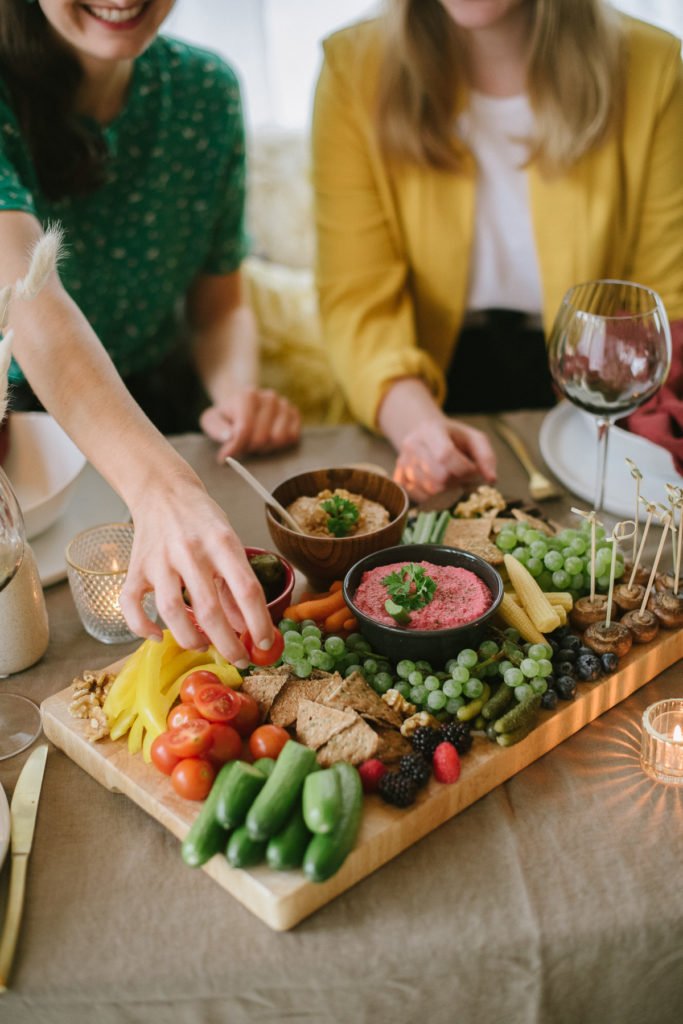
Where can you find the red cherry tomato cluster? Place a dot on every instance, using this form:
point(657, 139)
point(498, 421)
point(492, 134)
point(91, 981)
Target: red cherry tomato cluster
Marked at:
point(205, 730)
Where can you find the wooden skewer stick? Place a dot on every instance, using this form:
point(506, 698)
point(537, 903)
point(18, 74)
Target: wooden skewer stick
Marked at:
point(666, 522)
point(650, 508)
point(637, 476)
point(620, 532)
point(592, 518)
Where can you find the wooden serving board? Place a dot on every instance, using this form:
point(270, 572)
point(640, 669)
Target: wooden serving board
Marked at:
point(284, 899)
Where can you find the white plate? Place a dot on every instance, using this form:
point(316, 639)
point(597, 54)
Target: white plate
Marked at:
point(568, 441)
point(91, 502)
point(4, 825)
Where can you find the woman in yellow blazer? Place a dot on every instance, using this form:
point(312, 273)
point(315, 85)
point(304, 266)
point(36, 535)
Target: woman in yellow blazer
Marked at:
point(400, 198)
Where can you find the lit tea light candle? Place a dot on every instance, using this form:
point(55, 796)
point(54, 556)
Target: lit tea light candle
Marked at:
point(661, 751)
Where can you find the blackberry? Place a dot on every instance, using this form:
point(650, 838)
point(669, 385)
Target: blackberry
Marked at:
point(397, 789)
point(416, 768)
point(425, 740)
point(459, 735)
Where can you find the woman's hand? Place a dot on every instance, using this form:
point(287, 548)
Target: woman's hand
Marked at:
point(440, 452)
point(252, 420)
point(182, 539)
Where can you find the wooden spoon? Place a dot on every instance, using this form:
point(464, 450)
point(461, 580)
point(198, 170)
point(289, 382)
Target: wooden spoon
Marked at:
point(289, 520)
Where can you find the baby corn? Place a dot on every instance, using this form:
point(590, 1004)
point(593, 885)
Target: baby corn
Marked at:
point(534, 601)
point(514, 615)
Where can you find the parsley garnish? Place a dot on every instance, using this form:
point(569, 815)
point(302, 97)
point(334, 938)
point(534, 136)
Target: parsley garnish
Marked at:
point(342, 515)
point(410, 588)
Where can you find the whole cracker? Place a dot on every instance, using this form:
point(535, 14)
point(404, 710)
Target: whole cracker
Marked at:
point(316, 723)
point(355, 744)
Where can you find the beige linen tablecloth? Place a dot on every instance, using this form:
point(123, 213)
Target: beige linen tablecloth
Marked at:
point(556, 899)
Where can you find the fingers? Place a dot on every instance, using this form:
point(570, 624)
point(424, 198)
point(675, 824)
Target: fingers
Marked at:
point(477, 446)
point(246, 593)
point(130, 602)
point(255, 420)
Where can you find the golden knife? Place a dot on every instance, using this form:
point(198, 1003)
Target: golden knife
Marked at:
point(23, 812)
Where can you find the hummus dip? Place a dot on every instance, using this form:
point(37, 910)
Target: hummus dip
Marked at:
point(313, 519)
point(460, 597)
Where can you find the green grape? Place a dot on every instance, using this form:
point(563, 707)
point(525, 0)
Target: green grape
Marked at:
point(453, 704)
point(288, 626)
point(350, 658)
point(506, 540)
point(521, 554)
point(400, 685)
point(311, 631)
point(432, 683)
point(362, 647)
point(468, 658)
point(561, 579)
point(513, 677)
point(451, 688)
point(416, 678)
point(302, 668)
point(335, 646)
point(521, 530)
point(573, 565)
point(492, 670)
point(418, 694)
point(600, 533)
point(473, 688)
point(553, 561)
point(488, 648)
point(312, 643)
point(538, 651)
point(545, 668)
point(539, 549)
point(577, 582)
point(579, 545)
point(545, 580)
point(423, 666)
point(308, 622)
point(460, 674)
point(382, 682)
point(370, 665)
point(535, 566)
point(566, 553)
point(437, 700)
point(352, 639)
point(503, 666)
point(523, 691)
point(603, 581)
point(293, 652)
point(442, 676)
point(539, 684)
point(567, 535)
point(320, 659)
point(404, 668)
point(450, 665)
point(512, 634)
point(618, 569)
point(350, 669)
point(532, 535)
point(529, 668)
point(292, 636)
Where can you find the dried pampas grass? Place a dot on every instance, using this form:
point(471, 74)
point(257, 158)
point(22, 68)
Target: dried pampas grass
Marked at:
point(45, 256)
point(5, 358)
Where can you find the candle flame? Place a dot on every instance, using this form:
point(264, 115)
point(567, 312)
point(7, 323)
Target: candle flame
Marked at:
point(678, 734)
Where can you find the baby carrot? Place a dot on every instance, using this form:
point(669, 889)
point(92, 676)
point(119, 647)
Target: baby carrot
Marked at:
point(337, 619)
point(350, 625)
point(316, 609)
point(334, 587)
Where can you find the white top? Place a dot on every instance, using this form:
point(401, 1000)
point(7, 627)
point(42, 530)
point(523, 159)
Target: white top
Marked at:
point(504, 269)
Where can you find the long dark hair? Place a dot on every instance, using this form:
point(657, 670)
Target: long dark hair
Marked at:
point(42, 77)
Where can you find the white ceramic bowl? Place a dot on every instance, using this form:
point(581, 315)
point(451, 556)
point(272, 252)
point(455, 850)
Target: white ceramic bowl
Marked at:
point(43, 465)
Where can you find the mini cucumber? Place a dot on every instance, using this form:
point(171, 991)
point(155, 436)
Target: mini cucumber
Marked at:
point(207, 836)
point(242, 851)
point(496, 705)
point(520, 715)
point(272, 807)
point(265, 765)
point(325, 854)
point(286, 850)
point(469, 711)
point(322, 800)
point(238, 794)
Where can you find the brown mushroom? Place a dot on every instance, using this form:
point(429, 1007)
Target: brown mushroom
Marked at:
point(612, 639)
point(644, 626)
point(642, 573)
point(667, 607)
point(627, 598)
point(585, 612)
point(665, 581)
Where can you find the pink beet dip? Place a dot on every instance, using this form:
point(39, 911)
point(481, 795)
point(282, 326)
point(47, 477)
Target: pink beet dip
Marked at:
point(460, 597)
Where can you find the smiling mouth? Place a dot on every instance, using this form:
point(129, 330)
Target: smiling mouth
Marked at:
point(119, 16)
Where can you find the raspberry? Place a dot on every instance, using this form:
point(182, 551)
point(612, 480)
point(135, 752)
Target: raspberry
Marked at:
point(446, 763)
point(370, 774)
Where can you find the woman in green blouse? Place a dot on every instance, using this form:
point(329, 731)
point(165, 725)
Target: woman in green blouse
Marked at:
point(134, 143)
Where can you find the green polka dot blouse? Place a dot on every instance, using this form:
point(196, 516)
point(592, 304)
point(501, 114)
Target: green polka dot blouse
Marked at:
point(172, 206)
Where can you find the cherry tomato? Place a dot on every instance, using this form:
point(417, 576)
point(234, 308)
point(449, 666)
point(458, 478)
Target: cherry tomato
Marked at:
point(191, 739)
point(248, 715)
point(192, 778)
point(162, 758)
point(226, 744)
point(217, 703)
point(181, 714)
point(191, 683)
point(259, 657)
point(267, 741)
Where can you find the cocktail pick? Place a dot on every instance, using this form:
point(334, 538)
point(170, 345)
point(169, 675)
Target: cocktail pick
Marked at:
point(620, 532)
point(637, 476)
point(650, 508)
point(666, 522)
point(675, 496)
point(592, 518)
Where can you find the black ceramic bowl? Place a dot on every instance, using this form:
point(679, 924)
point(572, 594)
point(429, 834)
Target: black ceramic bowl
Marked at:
point(433, 645)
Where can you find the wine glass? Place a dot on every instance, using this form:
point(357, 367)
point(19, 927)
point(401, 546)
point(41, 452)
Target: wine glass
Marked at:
point(609, 351)
point(19, 716)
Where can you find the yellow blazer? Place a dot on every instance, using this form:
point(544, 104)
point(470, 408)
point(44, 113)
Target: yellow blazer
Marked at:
point(394, 241)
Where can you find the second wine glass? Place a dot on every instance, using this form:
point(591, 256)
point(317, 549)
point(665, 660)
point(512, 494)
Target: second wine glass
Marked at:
point(609, 352)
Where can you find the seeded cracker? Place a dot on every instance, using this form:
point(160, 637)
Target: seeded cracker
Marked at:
point(356, 744)
point(473, 535)
point(316, 724)
point(285, 707)
point(265, 686)
point(354, 692)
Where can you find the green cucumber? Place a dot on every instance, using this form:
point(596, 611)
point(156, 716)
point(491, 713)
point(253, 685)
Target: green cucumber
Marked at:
point(325, 854)
point(439, 527)
point(322, 801)
point(265, 765)
point(285, 851)
point(496, 705)
point(274, 804)
point(397, 611)
point(242, 851)
point(207, 836)
point(423, 527)
point(523, 713)
point(238, 794)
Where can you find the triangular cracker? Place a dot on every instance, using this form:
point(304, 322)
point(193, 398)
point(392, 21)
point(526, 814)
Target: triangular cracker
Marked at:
point(473, 535)
point(316, 723)
point(285, 707)
point(392, 745)
point(355, 745)
point(353, 692)
point(265, 686)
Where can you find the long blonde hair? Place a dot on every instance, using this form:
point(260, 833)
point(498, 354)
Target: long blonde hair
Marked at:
point(574, 81)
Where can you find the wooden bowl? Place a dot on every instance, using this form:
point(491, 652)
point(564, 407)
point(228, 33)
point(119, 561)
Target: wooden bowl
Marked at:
point(323, 559)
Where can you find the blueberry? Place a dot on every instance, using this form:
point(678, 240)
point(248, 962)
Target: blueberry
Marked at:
point(588, 667)
point(566, 654)
point(565, 668)
point(561, 632)
point(609, 662)
point(553, 644)
point(565, 687)
point(571, 642)
point(583, 652)
point(549, 699)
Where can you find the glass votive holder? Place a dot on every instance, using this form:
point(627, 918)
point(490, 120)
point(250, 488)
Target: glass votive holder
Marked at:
point(97, 562)
point(661, 747)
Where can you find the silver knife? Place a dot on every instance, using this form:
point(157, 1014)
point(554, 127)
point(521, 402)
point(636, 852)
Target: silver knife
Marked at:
point(23, 812)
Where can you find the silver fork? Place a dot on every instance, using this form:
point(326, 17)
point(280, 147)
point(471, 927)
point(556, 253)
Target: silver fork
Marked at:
point(540, 488)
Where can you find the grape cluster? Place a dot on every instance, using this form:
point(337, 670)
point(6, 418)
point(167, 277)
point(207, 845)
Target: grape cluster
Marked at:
point(561, 562)
point(305, 649)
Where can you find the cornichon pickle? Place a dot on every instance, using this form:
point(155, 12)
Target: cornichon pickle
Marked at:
point(519, 716)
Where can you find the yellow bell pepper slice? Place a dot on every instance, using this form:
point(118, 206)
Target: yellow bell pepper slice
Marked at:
point(227, 674)
point(135, 736)
point(122, 723)
point(182, 663)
